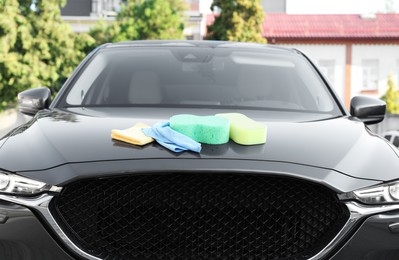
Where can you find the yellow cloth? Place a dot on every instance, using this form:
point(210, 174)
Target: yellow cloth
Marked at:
point(132, 135)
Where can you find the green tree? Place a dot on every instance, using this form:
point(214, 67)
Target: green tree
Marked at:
point(143, 20)
point(36, 47)
point(102, 33)
point(239, 20)
point(15, 41)
point(392, 97)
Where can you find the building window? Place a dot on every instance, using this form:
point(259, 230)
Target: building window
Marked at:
point(327, 67)
point(369, 74)
point(193, 5)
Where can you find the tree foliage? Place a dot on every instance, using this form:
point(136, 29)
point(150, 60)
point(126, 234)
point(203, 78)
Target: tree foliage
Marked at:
point(143, 20)
point(239, 20)
point(392, 97)
point(36, 47)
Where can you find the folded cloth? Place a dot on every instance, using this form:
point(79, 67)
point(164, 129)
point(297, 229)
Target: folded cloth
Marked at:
point(170, 139)
point(132, 135)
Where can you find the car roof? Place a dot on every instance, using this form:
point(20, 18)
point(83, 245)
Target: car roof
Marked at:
point(203, 43)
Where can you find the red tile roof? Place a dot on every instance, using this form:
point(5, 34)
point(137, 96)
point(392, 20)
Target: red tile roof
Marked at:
point(331, 26)
point(335, 26)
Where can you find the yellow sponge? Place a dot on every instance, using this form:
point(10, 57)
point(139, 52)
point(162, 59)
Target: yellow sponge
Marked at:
point(132, 135)
point(244, 130)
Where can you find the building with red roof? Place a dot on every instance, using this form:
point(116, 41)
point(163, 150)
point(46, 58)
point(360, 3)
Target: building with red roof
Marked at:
point(356, 52)
point(371, 28)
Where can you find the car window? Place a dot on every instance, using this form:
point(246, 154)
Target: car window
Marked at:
point(85, 82)
point(396, 141)
point(224, 77)
point(388, 137)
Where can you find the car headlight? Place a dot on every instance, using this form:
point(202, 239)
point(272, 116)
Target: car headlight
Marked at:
point(382, 194)
point(14, 184)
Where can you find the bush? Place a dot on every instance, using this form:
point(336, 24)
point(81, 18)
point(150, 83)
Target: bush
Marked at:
point(391, 97)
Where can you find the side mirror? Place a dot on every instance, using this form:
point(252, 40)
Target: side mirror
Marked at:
point(369, 110)
point(32, 100)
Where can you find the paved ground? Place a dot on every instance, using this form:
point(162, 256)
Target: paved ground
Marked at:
point(10, 119)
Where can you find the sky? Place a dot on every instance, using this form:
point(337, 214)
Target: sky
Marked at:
point(329, 6)
point(341, 6)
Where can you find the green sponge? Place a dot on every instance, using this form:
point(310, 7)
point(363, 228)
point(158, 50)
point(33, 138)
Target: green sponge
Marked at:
point(203, 129)
point(244, 130)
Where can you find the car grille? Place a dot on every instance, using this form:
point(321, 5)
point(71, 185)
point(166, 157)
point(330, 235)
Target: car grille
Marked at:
point(199, 216)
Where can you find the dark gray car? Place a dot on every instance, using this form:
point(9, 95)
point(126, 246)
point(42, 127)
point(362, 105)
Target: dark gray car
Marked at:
point(323, 186)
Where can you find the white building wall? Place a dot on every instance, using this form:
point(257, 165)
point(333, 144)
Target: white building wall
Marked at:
point(205, 6)
point(387, 57)
point(205, 9)
point(327, 52)
point(341, 6)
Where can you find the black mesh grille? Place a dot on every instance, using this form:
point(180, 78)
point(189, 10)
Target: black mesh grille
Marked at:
point(199, 216)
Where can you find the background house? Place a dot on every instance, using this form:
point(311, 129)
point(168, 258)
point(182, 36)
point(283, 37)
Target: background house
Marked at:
point(83, 14)
point(356, 52)
point(355, 43)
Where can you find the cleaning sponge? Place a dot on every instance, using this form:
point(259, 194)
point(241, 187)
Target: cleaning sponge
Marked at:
point(244, 130)
point(203, 129)
point(133, 135)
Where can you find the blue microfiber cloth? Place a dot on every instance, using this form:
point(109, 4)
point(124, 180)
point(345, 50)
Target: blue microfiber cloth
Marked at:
point(169, 138)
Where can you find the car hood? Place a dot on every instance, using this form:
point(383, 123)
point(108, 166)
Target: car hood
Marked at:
point(55, 138)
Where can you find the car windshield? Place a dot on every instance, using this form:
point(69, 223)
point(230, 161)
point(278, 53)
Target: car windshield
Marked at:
point(223, 77)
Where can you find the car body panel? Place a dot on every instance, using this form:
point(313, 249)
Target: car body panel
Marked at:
point(373, 240)
point(53, 138)
point(67, 173)
point(22, 236)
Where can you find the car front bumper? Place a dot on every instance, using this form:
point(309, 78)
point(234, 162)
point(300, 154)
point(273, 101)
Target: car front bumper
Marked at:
point(26, 235)
point(376, 238)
